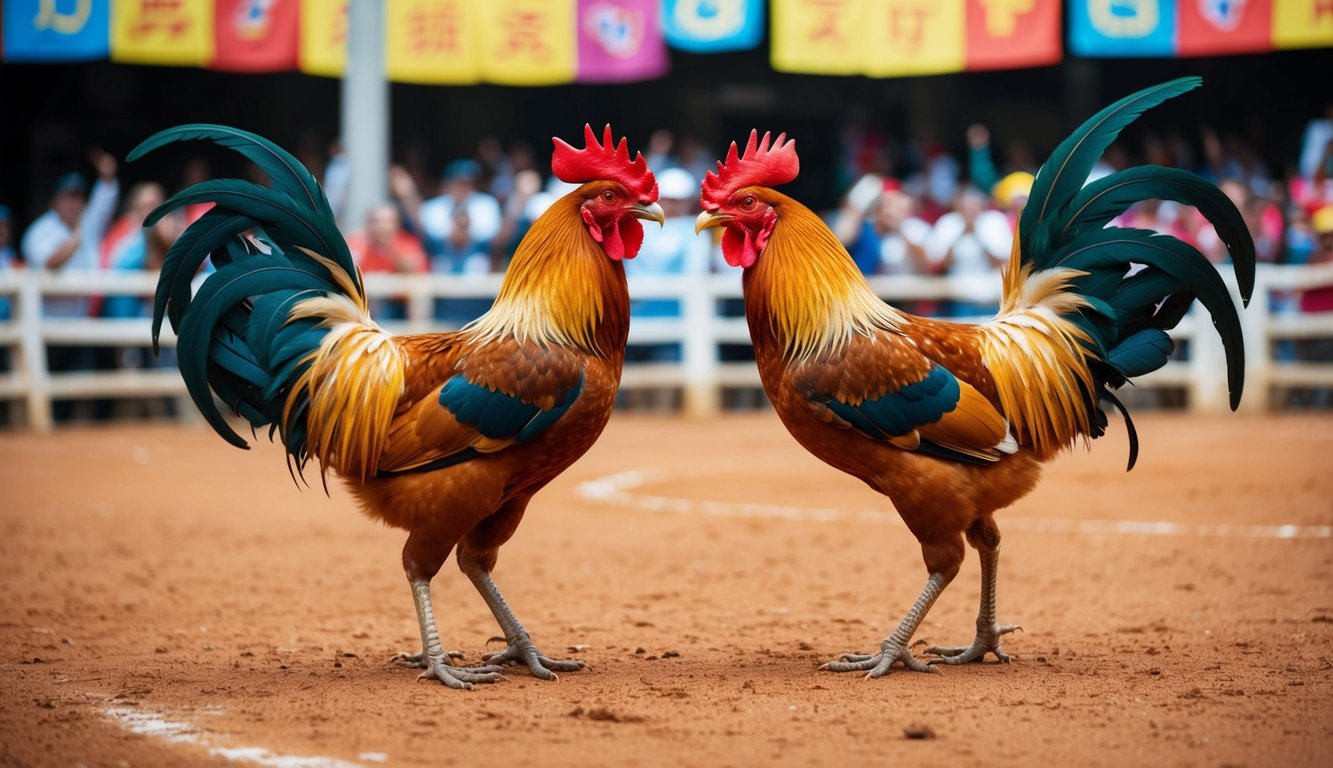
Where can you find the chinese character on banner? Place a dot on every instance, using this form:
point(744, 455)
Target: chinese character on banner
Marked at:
point(620, 41)
point(1302, 23)
point(528, 42)
point(432, 41)
point(915, 37)
point(256, 35)
point(162, 31)
point(820, 37)
point(47, 30)
point(1012, 33)
point(323, 37)
point(1122, 27)
point(713, 26)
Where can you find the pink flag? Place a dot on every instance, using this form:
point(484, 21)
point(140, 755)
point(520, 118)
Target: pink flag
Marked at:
point(620, 41)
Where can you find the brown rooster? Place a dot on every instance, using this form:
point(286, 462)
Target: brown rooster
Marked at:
point(446, 435)
point(954, 421)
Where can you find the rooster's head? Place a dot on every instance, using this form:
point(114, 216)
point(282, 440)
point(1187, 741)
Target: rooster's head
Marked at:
point(616, 191)
point(738, 197)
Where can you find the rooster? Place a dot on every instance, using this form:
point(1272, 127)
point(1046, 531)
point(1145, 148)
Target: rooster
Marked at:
point(954, 421)
point(447, 435)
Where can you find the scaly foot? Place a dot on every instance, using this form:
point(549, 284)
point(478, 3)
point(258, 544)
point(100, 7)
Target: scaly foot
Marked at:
point(988, 641)
point(522, 651)
point(878, 665)
point(459, 678)
point(418, 660)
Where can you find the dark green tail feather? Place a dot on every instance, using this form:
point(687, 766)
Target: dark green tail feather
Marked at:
point(234, 339)
point(1065, 224)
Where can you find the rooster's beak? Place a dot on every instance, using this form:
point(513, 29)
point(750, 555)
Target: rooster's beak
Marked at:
point(710, 219)
point(649, 212)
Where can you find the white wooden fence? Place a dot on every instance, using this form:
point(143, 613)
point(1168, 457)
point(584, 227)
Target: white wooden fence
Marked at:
point(701, 330)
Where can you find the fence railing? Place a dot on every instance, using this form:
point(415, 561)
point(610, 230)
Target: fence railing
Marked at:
point(709, 321)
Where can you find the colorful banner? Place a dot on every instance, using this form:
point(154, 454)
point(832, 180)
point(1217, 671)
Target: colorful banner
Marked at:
point(47, 30)
point(914, 37)
point(1214, 27)
point(257, 35)
point(1122, 27)
point(323, 37)
point(818, 37)
point(528, 42)
point(1008, 34)
point(171, 32)
point(432, 42)
point(713, 26)
point(620, 41)
point(1303, 24)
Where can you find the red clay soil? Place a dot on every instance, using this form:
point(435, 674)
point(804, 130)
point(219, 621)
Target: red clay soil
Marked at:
point(169, 600)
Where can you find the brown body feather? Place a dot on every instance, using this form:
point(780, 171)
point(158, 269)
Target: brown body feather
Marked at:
point(817, 326)
point(561, 317)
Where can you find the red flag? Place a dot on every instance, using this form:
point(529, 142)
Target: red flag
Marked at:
point(1213, 27)
point(1003, 35)
point(257, 35)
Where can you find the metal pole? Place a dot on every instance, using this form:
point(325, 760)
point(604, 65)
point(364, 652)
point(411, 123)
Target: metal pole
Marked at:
point(365, 111)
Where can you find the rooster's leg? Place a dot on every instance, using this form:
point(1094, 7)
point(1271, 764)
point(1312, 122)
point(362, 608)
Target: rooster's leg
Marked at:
point(896, 647)
point(433, 658)
point(988, 629)
point(521, 649)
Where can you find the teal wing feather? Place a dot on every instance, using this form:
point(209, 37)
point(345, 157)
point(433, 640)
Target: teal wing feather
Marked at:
point(1066, 170)
point(1137, 284)
point(237, 341)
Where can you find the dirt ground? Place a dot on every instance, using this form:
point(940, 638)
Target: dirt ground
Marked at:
point(169, 600)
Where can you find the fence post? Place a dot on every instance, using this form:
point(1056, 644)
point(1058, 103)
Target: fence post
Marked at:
point(32, 352)
point(1254, 326)
point(702, 395)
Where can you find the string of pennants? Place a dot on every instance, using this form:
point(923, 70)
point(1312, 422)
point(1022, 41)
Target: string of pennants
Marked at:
point(548, 42)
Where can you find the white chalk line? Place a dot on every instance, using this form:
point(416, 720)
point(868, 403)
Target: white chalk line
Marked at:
point(621, 489)
point(156, 725)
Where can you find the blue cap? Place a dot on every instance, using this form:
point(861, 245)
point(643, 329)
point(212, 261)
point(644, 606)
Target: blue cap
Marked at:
point(70, 182)
point(463, 168)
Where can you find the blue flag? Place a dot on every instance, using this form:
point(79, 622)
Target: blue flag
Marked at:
point(57, 30)
point(1106, 28)
point(713, 26)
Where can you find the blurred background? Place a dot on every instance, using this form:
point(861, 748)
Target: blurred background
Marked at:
point(429, 123)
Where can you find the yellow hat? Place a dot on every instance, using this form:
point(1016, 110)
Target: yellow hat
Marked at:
point(1016, 184)
point(1323, 220)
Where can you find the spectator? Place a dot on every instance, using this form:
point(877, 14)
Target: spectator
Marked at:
point(8, 261)
point(522, 207)
point(68, 236)
point(670, 251)
point(434, 220)
point(1318, 300)
point(383, 246)
point(972, 241)
point(126, 233)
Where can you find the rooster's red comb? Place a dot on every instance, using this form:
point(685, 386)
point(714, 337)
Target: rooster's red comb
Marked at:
point(606, 160)
point(761, 165)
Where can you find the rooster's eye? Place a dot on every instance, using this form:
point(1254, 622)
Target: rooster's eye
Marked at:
point(609, 196)
point(747, 203)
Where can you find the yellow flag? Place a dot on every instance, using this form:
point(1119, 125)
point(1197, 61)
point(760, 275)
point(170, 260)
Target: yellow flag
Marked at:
point(528, 42)
point(432, 41)
point(916, 37)
point(172, 32)
point(821, 37)
point(323, 37)
point(1302, 24)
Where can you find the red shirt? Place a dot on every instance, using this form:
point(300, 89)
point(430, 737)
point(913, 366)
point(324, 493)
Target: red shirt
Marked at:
point(406, 248)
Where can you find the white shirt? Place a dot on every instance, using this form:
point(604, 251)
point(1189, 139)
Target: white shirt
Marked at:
point(48, 232)
point(483, 211)
point(893, 258)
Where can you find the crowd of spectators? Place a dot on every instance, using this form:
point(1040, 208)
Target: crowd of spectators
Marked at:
point(914, 210)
